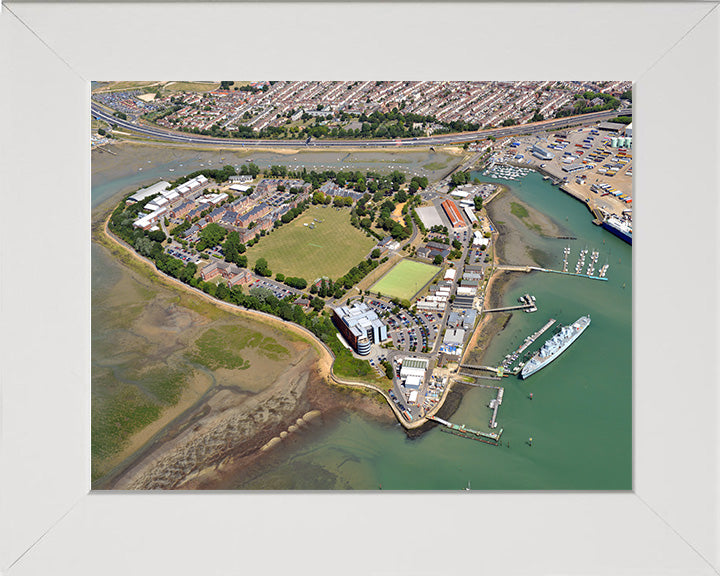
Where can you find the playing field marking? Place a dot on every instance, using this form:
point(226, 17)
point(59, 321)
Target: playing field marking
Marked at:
point(316, 245)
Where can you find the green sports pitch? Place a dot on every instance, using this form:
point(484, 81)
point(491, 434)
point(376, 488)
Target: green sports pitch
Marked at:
point(405, 279)
point(319, 242)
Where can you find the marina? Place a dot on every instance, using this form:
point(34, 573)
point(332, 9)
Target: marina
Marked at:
point(505, 171)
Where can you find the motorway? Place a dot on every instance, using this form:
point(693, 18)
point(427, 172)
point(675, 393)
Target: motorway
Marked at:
point(438, 140)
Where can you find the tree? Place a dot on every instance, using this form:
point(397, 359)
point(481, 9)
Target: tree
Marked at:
point(211, 236)
point(157, 236)
point(280, 277)
point(261, 268)
point(317, 304)
point(389, 372)
point(478, 203)
point(101, 131)
point(438, 260)
point(250, 169)
point(375, 253)
point(459, 178)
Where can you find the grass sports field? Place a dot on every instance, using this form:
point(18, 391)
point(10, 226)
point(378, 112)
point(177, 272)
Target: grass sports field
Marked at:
point(330, 249)
point(405, 279)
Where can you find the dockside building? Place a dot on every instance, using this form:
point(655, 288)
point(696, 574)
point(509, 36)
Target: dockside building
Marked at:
point(360, 326)
point(453, 213)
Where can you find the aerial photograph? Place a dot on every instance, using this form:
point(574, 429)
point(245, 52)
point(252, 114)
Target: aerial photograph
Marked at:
point(361, 285)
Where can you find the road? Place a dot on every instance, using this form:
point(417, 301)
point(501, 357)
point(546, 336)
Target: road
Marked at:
point(437, 140)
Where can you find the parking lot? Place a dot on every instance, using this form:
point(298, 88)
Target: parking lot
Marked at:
point(279, 290)
point(591, 149)
point(183, 255)
point(409, 332)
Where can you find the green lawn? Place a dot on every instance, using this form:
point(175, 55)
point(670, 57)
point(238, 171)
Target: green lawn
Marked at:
point(330, 249)
point(405, 279)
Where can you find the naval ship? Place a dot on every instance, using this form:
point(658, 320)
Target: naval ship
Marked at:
point(555, 346)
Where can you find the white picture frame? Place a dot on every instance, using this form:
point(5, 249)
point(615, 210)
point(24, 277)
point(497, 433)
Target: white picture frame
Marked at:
point(50, 522)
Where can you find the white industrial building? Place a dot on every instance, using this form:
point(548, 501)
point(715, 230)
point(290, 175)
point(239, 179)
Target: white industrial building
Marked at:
point(429, 216)
point(143, 193)
point(479, 239)
point(242, 188)
point(470, 214)
point(540, 152)
point(628, 130)
point(412, 372)
point(454, 337)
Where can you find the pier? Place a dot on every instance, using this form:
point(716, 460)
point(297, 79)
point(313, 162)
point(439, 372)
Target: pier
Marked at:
point(570, 274)
point(492, 438)
point(477, 367)
point(101, 148)
point(510, 358)
point(509, 308)
point(510, 268)
point(479, 377)
point(528, 269)
point(495, 404)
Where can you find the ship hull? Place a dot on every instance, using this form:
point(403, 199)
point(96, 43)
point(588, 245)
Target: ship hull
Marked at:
point(539, 366)
point(619, 233)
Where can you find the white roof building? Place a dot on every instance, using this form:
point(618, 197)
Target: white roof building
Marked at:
point(215, 198)
point(450, 274)
point(429, 216)
point(454, 337)
point(413, 382)
point(470, 214)
point(479, 239)
point(149, 191)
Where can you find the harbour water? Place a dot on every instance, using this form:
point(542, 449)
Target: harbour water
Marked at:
point(579, 416)
point(137, 165)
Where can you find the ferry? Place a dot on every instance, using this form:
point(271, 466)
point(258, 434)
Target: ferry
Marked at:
point(621, 228)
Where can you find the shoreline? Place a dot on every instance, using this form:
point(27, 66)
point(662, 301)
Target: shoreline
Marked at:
point(320, 369)
point(450, 149)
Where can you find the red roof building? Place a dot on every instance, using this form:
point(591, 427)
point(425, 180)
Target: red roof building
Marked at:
point(453, 213)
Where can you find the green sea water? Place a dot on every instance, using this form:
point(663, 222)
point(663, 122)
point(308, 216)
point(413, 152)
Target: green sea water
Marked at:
point(579, 417)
